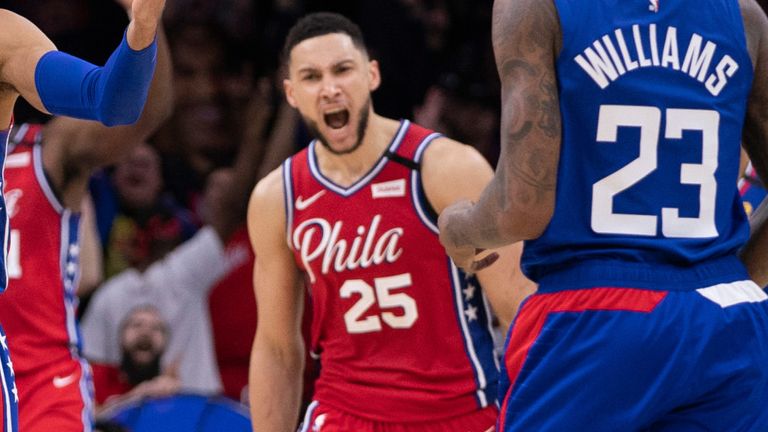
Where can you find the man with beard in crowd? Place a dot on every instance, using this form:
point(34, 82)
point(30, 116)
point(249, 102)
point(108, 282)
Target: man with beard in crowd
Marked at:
point(143, 338)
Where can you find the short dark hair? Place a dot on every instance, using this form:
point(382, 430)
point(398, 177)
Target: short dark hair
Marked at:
point(319, 24)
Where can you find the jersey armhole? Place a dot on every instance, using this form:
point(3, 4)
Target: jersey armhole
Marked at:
point(424, 208)
point(288, 201)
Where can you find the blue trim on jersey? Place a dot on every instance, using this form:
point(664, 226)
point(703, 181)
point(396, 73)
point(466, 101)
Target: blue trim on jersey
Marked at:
point(288, 199)
point(420, 200)
point(363, 181)
point(478, 340)
point(4, 139)
point(42, 179)
point(10, 392)
point(70, 272)
point(87, 392)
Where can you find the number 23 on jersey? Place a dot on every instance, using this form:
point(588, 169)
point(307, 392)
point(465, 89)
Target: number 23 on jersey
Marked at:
point(606, 220)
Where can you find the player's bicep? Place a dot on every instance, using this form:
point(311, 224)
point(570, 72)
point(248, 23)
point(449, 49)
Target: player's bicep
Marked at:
point(452, 172)
point(526, 40)
point(22, 45)
point(276, 281)
point(755, 135)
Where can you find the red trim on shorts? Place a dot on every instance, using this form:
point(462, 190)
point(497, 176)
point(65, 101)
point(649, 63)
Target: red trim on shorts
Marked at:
point(536, 310)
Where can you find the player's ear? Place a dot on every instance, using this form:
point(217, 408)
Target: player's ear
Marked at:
point(288, 87)
point(374, 75)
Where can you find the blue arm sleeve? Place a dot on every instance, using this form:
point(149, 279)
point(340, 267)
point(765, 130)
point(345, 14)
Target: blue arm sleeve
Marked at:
point(113, 94)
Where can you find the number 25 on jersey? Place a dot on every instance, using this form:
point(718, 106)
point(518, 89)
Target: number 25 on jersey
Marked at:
point(380, 293)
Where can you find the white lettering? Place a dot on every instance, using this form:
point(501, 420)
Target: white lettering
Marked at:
point(597, 67)
point(670, 54)
point(609, 57)
point(376, 249)
point(644, 61)
point(628, 62)
point(654, 45)
point(724, 70)
point(696, 63)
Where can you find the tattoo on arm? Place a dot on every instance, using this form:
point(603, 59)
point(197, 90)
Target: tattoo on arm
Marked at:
point(526, 39)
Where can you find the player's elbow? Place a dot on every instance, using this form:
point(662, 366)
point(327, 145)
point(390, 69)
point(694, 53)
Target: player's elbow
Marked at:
point(121, 115)
point(525, 223)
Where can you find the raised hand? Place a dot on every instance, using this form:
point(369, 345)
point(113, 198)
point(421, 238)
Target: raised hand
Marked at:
point(145, 16)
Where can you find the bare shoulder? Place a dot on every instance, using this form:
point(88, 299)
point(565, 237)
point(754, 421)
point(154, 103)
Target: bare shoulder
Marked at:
point(445, 154)
point(266, 213)
point(453, 171)
point(267, 196)
point(18, 33)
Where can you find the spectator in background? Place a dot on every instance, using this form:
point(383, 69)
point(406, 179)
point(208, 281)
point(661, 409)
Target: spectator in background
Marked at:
point(147, 222)
point(180, 283)
point(143, 339)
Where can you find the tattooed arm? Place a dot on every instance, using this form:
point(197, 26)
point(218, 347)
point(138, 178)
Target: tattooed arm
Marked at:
point(519, 201)
point(755, 137)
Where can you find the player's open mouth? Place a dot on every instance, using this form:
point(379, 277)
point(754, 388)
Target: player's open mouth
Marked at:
point(336, 119)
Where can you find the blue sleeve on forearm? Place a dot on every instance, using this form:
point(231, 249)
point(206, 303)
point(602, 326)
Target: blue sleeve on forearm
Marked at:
point(113, 94)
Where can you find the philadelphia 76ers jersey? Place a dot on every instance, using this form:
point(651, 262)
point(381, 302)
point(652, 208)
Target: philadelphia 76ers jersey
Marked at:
point(401, 333)
point(652, 96)
point(38, 309)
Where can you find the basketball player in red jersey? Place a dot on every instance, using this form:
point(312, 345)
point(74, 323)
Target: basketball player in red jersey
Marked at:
point(55, 82)
point(47, 173)
point(402, 335)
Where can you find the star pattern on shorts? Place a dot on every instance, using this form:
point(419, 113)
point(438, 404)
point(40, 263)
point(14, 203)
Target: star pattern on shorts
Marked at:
point(469, 292)
point(2, 341)
point(471, 313)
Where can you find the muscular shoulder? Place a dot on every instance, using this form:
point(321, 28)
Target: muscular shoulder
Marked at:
point(452, 171)
point(268, 193)
point(266, 209)
point(19, 35)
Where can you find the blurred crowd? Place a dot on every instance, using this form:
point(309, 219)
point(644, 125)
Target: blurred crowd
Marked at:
point(167, 222)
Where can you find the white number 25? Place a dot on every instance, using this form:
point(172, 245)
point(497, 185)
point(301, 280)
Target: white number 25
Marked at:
point(353, 318)
point(606, 221)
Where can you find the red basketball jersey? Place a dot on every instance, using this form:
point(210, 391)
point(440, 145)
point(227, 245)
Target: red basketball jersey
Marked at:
point(38, 309)
point(402, 334)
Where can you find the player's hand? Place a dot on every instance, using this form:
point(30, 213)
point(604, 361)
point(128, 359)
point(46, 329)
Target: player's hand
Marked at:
point(145, 17)
point(463, 255)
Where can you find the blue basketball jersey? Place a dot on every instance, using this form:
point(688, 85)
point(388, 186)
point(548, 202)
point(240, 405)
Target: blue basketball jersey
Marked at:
point(653, 96)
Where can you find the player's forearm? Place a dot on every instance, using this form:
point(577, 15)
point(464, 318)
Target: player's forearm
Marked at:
point(274, 388)
point(755, 252)
point(159, 104)
point(113, 94)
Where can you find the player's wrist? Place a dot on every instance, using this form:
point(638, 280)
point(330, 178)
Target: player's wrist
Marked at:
point(141, 33)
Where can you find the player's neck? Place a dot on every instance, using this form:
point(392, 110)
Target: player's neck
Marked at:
point(346, 169)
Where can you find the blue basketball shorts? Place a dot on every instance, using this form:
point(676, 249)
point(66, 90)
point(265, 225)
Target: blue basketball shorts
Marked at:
point(623, 359)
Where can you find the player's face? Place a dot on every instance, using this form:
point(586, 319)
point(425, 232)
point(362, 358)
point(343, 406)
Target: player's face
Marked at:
point(330, 82)
point(144, 336)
